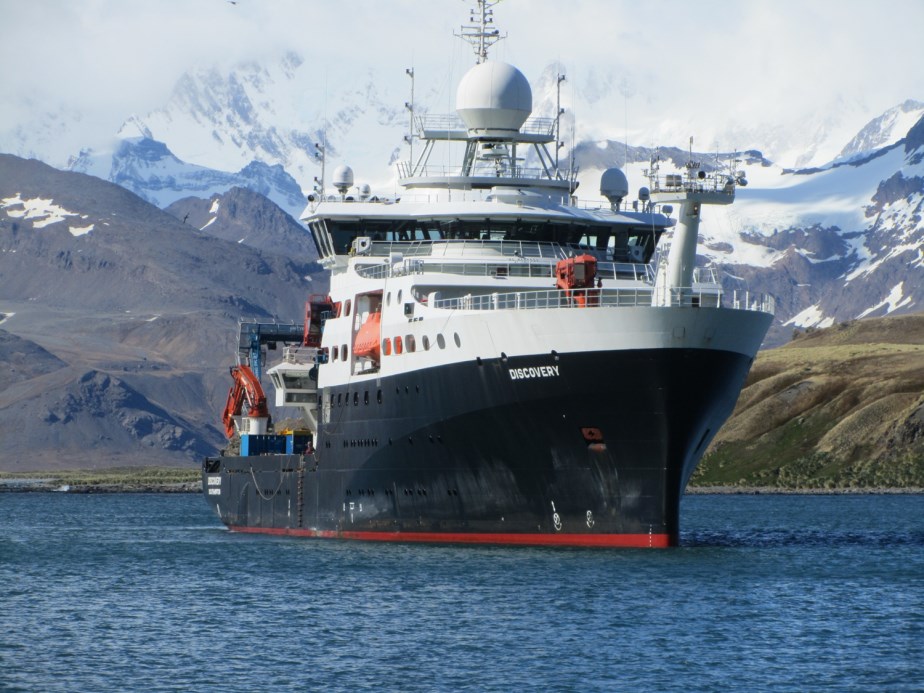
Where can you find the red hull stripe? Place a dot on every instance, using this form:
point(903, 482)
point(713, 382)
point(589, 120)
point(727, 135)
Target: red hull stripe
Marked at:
point(639, 541)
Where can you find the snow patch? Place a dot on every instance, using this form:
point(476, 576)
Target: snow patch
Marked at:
point(892, 302)
point(214, 208)
point(208, 223)
point(810, 317)
point(45, 211)
point(80, 230)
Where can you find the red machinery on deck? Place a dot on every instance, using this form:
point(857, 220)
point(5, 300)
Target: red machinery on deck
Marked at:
point(246, 386)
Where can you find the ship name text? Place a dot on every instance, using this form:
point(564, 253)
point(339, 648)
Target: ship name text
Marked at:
point(534, 372)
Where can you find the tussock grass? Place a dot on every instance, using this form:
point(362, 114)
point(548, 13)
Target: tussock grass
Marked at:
point(838, 408)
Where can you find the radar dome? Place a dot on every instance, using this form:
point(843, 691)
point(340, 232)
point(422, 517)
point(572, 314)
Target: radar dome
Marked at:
point(343, 179)
point(614, 185)
point(494, 99)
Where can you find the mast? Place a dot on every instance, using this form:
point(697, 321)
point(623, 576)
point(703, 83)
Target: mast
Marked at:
point(479, 32)
point(409, 105)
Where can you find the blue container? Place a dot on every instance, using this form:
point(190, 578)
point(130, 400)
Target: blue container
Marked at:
point(252, 445)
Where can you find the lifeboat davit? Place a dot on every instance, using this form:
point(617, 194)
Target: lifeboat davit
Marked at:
point(368, 339)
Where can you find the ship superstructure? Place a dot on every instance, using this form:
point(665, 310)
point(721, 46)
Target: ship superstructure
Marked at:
point(496, 362)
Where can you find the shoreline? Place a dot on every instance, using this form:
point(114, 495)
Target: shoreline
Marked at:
point(55, 485)
point(783, 491)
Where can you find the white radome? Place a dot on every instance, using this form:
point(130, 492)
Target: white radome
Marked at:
point(494, 98)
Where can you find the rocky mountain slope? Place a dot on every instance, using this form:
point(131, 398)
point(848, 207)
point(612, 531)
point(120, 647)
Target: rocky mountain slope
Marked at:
point(841, 407)
point(119, 322)
point(241, 215)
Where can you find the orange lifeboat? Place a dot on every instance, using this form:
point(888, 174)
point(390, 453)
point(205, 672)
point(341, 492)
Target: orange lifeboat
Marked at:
point(368, 338)
point(575, 276)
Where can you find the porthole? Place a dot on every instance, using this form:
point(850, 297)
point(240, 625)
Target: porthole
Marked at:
point(346, 307)
point(455, 336)
point(399, 296)
point(339, 398)
point(440, 341)
point(355, 399)
point(378, 396)
point(334, 355)
point(411, 343)
point(343, 352)
point(388, 299)
point(399, 347)
point(386, 346)
point(426, 342)
point(366, 397)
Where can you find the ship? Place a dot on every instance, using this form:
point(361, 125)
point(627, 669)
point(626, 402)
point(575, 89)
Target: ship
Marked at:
point(496, 362)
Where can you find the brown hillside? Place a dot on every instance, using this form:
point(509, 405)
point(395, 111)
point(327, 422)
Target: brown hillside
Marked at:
point(841, 407)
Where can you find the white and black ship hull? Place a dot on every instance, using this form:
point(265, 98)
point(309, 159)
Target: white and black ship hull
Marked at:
point(580, 448)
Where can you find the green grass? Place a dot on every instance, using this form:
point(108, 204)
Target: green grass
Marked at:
point(116, 476)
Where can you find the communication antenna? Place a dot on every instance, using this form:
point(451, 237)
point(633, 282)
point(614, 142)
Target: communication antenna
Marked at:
point(320, 158)
point(480, 32)
point(558, 113)
point(409, 105)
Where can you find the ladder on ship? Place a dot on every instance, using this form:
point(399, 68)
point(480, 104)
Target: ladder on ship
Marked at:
point(300, 492)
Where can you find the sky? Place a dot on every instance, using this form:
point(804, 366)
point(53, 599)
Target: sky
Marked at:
point(781, 65)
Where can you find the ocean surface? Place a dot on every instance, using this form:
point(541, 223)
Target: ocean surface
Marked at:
point(151, 593)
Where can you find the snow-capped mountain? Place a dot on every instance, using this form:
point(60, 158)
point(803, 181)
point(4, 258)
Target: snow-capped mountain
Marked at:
point(884, 130)
point(836, 243)
point(832, 242)
point(277, 114)
point(150, 170)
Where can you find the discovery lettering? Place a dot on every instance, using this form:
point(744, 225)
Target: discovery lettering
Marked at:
point(534, 372)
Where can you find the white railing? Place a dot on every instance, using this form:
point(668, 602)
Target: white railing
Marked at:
point(524, 250)
point(602, 298)
point(549, 298)
point(624, 271)
point(453, 122)
point(748, 300)
point(480, 169)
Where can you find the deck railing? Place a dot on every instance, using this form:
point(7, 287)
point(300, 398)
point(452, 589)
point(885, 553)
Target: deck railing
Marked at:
point(601, 298)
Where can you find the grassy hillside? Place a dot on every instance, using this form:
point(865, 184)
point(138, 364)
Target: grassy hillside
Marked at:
point(836, 408)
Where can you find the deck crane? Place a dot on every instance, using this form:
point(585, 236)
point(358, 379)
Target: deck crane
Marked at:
point(246, 386)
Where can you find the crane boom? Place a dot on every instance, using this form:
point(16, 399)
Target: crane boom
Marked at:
point(246, 386)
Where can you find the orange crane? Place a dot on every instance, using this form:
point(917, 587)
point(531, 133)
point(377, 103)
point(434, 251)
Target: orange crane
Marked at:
point(246, 386)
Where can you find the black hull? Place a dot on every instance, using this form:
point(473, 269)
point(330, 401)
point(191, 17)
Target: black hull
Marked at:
point(576, 449)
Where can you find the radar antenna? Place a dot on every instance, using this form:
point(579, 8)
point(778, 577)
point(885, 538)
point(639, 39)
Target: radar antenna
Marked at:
point(480, 32)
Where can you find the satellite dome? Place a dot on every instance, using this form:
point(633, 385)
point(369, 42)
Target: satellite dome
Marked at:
point(343, 179)
point(494, 99)
point(614, 185)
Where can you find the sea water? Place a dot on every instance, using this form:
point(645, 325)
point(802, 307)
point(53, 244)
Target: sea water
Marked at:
point(151, 593)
